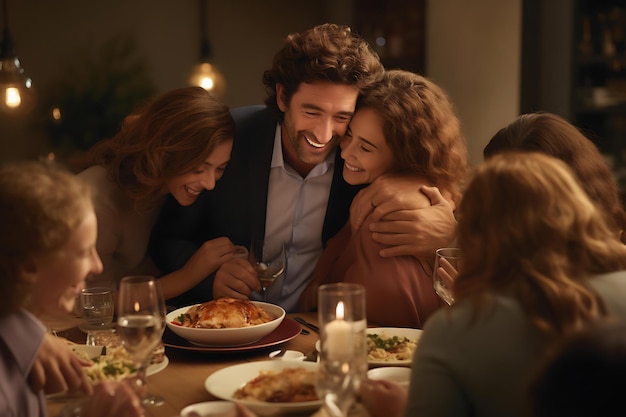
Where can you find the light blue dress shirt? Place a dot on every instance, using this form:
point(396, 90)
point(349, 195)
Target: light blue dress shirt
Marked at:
point(296, 208)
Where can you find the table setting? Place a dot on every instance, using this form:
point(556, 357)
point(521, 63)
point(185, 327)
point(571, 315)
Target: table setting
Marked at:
point(203, 374)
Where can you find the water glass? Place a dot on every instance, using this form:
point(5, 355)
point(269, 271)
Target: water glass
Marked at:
point(445, 272)
point(97, 307)
point(343, 356)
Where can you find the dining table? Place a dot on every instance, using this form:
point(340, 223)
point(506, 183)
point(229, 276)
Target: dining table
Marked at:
point(182, 381)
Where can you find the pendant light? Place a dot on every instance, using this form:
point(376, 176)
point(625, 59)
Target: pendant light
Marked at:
point(16, 94)
point(206, 74)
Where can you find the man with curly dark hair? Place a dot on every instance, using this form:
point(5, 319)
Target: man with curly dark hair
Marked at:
point(284, 179)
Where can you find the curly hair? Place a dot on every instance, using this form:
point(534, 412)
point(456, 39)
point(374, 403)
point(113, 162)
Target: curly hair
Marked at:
point(421, 128)
point(553, 135)
point(527, 228)
point(327, 52)
point(169, 137)
point(40, 206)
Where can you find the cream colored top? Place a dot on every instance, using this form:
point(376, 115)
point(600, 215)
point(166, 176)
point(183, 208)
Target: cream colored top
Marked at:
point(123, 232)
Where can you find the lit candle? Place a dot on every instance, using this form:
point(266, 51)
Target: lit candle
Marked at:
point(339, 337)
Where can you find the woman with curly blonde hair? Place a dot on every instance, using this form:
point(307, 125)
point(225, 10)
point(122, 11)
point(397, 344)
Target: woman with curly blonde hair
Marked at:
point(405, 126)
point(178, 145)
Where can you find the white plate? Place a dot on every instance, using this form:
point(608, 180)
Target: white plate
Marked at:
point(413, 334)
point(93, 351)
point(207, 409)
point(387, 331)
point(225, 382)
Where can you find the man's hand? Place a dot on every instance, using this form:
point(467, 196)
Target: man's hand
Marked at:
point(410, 218)
point(236, 279)
point(58, 369)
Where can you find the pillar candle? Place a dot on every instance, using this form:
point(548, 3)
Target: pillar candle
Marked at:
point(339, 337)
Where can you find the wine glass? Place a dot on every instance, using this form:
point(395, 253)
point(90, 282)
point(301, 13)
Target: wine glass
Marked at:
point(140, 324)
point(269, 261)
point(445, 272)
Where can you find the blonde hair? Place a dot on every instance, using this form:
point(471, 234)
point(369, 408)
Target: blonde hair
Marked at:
point(171, 136)
point(527, 228)
point(40, 206)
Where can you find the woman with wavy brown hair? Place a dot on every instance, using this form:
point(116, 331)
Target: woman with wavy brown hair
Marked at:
point(405, 127)
point(177, 145)
point(555, 136)
point(538, 263)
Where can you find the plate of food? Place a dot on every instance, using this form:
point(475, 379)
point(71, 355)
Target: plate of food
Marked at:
point(391, 346)
point(225, 322)
point(114, 363)
point(268, 387)
point(286, 331)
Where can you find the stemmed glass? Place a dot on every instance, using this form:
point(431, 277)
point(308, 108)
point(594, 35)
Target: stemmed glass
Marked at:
point(445, 272)
point(269, 261)
point(140, 324)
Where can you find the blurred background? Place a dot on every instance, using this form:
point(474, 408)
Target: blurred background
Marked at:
point(92, 62)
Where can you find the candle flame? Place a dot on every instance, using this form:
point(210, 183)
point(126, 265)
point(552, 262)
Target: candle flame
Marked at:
point(339, 310)
point(136, 307)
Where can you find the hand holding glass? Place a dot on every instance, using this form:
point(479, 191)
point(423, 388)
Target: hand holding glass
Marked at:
point(140, 322)
point(268, 260)
point(446, 267)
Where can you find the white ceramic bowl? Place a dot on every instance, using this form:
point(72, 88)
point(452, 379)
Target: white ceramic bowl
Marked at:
point(228, 337)
point(399, 374)
point(208, 409)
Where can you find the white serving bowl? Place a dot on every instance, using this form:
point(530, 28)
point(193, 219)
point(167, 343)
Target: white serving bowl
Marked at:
point(229, 337)
point(399, 374)
point(208, 409)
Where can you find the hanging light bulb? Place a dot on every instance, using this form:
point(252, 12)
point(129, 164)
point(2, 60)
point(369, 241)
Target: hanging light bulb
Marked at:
point(205, 74)
point(16, 94)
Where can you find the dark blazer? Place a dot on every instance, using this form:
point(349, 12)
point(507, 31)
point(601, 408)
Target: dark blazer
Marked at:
point(236, 208)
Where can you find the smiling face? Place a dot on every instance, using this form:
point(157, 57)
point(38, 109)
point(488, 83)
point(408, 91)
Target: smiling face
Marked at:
point(60, 277)
point(364, 149)
point(314, 121)
point(186, 188)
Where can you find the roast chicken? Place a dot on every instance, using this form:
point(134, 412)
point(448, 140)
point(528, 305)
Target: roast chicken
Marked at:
point(224, 313)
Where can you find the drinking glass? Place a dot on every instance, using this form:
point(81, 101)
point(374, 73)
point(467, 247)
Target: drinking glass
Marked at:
point(343, 356)
point(96, 307)
point(140, 324)
point(445, 272)
point(269, 261)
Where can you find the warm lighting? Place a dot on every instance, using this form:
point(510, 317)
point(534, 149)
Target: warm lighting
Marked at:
point(206, 74)
point(16, 95)
point(56, 114)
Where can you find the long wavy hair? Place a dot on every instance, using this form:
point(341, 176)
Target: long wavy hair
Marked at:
point(421, 128)
point(41, 205)
point(327, 52)
point(528, 229)
point(555, 136)
point(170, 136)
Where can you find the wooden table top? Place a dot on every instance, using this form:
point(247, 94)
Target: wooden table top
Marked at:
point(181, 383)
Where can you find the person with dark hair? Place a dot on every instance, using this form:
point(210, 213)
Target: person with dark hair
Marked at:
point(178, 144)
point(284, 180)
point(539, 262)
point(585, 376)
point(406, 126)
point(47, 250)
point(555, 136)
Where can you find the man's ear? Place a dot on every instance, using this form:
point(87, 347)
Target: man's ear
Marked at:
point(280, 97)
